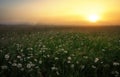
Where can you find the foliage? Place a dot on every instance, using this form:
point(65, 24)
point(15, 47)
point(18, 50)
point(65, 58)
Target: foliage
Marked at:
point(59, 54)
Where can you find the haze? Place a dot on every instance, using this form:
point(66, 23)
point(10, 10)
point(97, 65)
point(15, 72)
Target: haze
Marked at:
point(61, 12)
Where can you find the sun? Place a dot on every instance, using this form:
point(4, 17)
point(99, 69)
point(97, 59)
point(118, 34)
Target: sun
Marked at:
point(93, 18)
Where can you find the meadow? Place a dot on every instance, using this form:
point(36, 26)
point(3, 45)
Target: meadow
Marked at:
point(76, 53)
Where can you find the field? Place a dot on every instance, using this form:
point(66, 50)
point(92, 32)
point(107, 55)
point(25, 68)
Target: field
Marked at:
point(74, 53)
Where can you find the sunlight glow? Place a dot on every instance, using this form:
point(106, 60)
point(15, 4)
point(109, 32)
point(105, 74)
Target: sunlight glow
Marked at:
point(93, 18)
point(75, 12)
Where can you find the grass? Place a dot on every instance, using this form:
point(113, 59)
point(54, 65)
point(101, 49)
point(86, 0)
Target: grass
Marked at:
point(59, 54)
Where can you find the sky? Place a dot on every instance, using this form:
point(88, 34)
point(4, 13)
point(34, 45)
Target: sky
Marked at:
point(61, 12)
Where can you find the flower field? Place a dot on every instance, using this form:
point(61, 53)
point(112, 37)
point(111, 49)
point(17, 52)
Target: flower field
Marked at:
point(59, 54)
